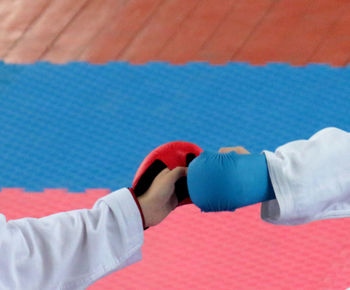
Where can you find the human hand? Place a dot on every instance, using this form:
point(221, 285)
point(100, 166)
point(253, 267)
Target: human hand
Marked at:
point(238, 149)
point(160, 199)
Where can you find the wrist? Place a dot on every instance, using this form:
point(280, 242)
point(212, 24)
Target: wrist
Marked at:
point(270, 193)
point(257, 183)
point(143, 204)
point(140, 207)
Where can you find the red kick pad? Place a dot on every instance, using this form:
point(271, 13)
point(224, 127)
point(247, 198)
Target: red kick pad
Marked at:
point(171, 155)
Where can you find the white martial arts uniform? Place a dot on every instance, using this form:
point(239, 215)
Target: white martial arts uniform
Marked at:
point(311, 179)
point(71, 250)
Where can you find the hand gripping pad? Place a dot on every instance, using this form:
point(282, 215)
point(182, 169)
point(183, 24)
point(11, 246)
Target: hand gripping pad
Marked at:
point(171, 155)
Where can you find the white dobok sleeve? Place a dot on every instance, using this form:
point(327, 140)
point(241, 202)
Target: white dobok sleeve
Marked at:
point(311, 179)
point(73, 249)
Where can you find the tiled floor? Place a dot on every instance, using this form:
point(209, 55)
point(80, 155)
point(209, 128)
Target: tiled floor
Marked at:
point(178, 31)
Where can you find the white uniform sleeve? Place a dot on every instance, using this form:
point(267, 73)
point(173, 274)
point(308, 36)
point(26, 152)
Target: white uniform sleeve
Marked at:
point(73, 249)
point(311, 179)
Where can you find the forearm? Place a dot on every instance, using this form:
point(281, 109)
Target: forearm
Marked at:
point(311, 179)
point(73, 248)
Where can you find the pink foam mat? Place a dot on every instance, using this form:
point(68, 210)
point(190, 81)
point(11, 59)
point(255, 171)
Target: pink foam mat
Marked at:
point(195, 250)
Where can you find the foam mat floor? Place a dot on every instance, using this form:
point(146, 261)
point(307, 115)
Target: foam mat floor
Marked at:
point(72, 133)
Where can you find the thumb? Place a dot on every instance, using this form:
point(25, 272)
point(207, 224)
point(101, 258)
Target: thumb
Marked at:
point(175, 174)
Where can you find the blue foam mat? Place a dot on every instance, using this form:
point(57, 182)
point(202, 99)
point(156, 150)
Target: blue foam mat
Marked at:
point(8, 74)
point(80, 126)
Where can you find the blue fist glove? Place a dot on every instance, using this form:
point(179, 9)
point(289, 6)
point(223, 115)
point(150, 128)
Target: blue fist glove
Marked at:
point(226, 181)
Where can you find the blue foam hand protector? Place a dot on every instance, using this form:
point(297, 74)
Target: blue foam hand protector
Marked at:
point(226, 181)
